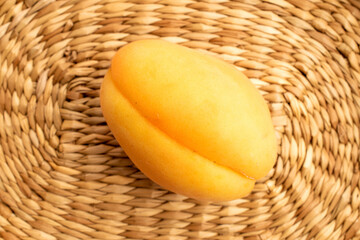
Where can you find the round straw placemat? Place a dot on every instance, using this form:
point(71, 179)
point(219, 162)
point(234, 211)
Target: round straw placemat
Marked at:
point(63, 175)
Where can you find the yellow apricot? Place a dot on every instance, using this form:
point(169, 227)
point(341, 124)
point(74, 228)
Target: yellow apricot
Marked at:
point(190, 122)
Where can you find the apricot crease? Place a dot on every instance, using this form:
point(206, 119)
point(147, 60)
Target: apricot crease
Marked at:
point(173, 161)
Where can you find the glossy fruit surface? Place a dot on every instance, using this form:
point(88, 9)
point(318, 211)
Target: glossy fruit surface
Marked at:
point(190, 122)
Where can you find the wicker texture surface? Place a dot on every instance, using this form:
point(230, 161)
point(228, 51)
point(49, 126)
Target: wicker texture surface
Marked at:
point(63, 176)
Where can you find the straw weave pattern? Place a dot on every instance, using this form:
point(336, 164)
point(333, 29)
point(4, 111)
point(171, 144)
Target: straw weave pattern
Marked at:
point(63, 175)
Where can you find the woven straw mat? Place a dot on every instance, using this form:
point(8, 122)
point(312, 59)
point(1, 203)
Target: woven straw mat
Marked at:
point(64, 176)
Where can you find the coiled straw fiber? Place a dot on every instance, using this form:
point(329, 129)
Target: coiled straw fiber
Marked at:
point(63, 176)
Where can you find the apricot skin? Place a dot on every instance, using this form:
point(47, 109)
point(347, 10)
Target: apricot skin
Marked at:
point(190, 122)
